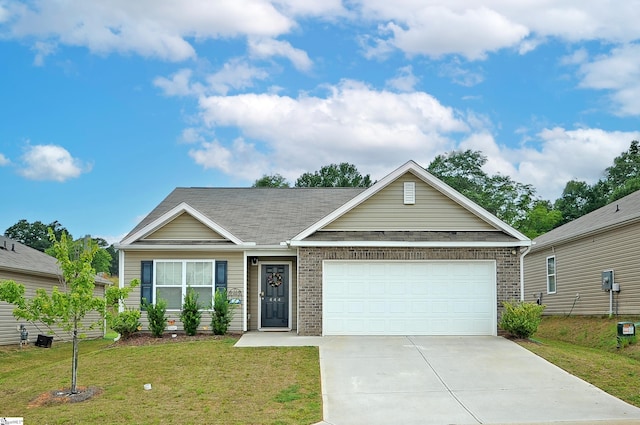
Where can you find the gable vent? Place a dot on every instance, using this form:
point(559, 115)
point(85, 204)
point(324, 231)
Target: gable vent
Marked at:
point(409, 193)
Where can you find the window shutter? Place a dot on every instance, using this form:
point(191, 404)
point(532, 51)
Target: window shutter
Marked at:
point(221, 275)
point(146, 283)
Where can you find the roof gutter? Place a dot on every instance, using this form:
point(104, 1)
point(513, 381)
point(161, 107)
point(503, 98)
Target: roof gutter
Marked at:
point(524, 252)
point(405, 244)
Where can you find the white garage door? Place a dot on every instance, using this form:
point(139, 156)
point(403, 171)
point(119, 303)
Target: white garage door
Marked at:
point(409, 298)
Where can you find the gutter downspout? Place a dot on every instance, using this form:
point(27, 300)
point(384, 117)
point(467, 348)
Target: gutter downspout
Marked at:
point(526, 251)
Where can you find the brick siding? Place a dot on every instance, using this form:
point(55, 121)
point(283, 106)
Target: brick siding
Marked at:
point(310, 273)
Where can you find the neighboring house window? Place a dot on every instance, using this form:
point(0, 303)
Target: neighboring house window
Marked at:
point(173, 277)
point(551, 275)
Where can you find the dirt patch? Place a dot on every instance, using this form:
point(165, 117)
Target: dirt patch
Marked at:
point(64, 396)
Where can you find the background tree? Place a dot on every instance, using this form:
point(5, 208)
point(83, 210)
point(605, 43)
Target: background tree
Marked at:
point(66, 307)
point(578, 198)
point(114, 266)
point(274, 180)
point(335, 175)
point(36, 234)
point(102, 260)
point(625, 167)
point(539, 219)
point(500, 195)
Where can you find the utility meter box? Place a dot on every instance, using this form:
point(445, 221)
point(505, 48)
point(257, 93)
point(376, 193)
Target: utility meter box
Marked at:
point(626, 329)
point(607, 280)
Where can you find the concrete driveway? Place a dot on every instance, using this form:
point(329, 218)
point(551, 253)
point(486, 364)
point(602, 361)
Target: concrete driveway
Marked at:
point(449, 380)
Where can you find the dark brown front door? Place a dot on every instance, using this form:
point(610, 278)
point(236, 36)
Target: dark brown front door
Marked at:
point(275, 296)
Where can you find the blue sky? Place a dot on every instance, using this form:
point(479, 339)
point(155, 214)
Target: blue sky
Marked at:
point(107, 106)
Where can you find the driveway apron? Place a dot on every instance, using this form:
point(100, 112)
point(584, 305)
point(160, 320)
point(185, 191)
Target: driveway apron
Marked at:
point(453, 380)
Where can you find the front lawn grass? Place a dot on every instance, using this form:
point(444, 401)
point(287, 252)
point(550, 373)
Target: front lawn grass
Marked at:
point(587, 348)
point(193, 382)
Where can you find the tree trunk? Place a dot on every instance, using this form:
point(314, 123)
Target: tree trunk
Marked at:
point(74, 363)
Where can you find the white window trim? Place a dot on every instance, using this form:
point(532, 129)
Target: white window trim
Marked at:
point(184, 277)
point(554, 274)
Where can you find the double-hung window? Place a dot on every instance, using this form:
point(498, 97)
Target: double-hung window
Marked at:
point(551, 275)
point(173, 277)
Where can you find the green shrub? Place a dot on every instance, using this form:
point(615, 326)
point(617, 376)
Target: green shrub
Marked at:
point(157, 316)
point(191, 314)
point(521, 319)
point(222, 313)
point(126, 322)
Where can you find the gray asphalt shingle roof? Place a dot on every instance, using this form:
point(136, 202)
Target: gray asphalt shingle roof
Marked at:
point(624, 210)
point(266, 216)
point(17, 256)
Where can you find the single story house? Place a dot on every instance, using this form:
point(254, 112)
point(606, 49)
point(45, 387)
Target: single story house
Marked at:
point(406, 256)
point(35, 269)
point(589, 266)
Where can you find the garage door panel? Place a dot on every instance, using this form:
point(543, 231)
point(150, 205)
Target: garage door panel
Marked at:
point(409, 298)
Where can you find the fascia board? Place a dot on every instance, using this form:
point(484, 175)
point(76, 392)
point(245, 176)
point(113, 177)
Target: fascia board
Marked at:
point(437, 184)
point(402, 244)
point(173, 213)
point(183, 247)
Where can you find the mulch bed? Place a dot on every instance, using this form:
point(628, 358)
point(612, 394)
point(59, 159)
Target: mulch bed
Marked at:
point(145, 338)
point(64, 396)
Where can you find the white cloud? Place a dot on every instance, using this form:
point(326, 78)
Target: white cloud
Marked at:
point(459, 74)
point(353, 123)
point(437, 31)
point(42, 49)
point(4, 160)
point(619, 73)
point(405, 81)
point(553, 157)
point(578, 57)
point(235, 74)
point(179, 84)
point(150, 28)
point(441, 27)
point(51, 162)
point(268, 47)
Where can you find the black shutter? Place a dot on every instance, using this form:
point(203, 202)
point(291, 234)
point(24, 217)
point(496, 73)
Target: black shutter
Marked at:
point(146, 283)
point(221, 275)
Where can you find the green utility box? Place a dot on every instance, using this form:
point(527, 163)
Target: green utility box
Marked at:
point(626, 329)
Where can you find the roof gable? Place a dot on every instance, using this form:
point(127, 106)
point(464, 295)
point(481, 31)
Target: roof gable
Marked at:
point(158, 225)
point(184, 227)
point(448, 196)
point(426, 210)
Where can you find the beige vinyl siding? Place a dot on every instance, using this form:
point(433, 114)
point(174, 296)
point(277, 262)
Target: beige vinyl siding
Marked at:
point(579, 265)
point(185, 227)
point(234, 280)
point(254, 289)
point(8, 324)
point(432, 211)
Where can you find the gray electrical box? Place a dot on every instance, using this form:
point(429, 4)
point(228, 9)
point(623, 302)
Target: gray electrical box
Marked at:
point(607, 280)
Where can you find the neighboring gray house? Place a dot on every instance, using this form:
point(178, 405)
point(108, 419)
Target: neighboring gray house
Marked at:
point(33, 269)
point(407, 256)
point(566, 267)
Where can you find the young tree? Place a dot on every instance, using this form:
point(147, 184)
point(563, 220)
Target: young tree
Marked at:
point(66, 307)
point(335, 175)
